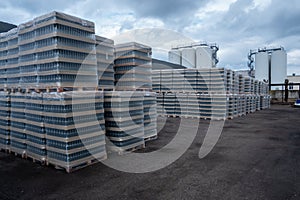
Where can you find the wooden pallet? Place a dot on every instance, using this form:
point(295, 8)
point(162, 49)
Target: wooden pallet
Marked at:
point(72, 168)
point(34, 159)
point(154, 137)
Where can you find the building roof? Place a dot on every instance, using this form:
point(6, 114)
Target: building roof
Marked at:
point(4, 27)
point(160, 64)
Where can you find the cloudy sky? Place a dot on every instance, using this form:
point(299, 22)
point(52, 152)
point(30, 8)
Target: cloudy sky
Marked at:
point(235, 25)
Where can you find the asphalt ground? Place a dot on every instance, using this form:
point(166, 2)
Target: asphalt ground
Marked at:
point(256, 157)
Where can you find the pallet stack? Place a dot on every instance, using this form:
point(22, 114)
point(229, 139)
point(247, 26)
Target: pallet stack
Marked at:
point(219, 93)
point(74, 126)
point(105, 62)
point(17, 124)
point(133, 64)
point(5, 121)
point(39, 61)
point(150, 116)
point(124, 120)
point(34, 127)
point(60, 50)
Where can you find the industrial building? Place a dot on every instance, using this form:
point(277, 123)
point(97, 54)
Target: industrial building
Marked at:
point(270, 64)
point(197, 55)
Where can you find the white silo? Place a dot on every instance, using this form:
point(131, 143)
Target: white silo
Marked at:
point(204, 57)
point(262, 66)
point(278, 66)
point(188, 57)
point(175, 56)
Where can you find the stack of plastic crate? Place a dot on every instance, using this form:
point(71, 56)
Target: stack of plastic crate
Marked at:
point(133, 65)
point(34, 127)
point(17, 122)
point(60, 49)
point(4, 120)
point(12, 66)
point(3, 60)
point(75, 128)
point(156, 78)
point(105, 62)
point(150, 116)
point(124, 120)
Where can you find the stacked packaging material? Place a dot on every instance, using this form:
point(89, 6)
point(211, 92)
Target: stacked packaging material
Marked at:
point(12, 68)
point(124, 120)
point(213, 106)
point(150, 115)
point(105, 62)
point(181, 102)
point(133, 65)
point(170, 103)
point(17, 124)
point(156, 84)
point(34, 127)
point(4, 120)
point(57, 50)
point(191, 80)
point(211, 86)
point(3, 59)
point(160, 103)
point(193, 105)
point(178, 81)
point(74, 126)
point(166, 80)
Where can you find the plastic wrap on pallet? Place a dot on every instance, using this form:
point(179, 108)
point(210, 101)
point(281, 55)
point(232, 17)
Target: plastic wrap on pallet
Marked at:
point(34, 127)
point(17, 123)
point(150, 115)
point(160, 103)
point(105, 62)
point(213, 106)
point(4, 120)
point(156, 84)
point(193, 105)
point(133, 66)
point(124, 119)
point(74, 126)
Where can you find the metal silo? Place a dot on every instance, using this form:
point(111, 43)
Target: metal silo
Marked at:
point(175, 56)
point(278, 66)
point(262, 66)
point(204, 57)
point(188, 57)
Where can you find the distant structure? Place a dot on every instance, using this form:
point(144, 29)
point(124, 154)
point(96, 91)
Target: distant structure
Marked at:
point(196, 55)
point(270, 64)
point(161, 64)
point(4, 27)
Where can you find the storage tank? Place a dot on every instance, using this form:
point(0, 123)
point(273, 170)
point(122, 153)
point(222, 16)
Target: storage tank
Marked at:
point(278, 66)
point(188, 57)
point(175, 56)
point(262, 66)
point(204, 57)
